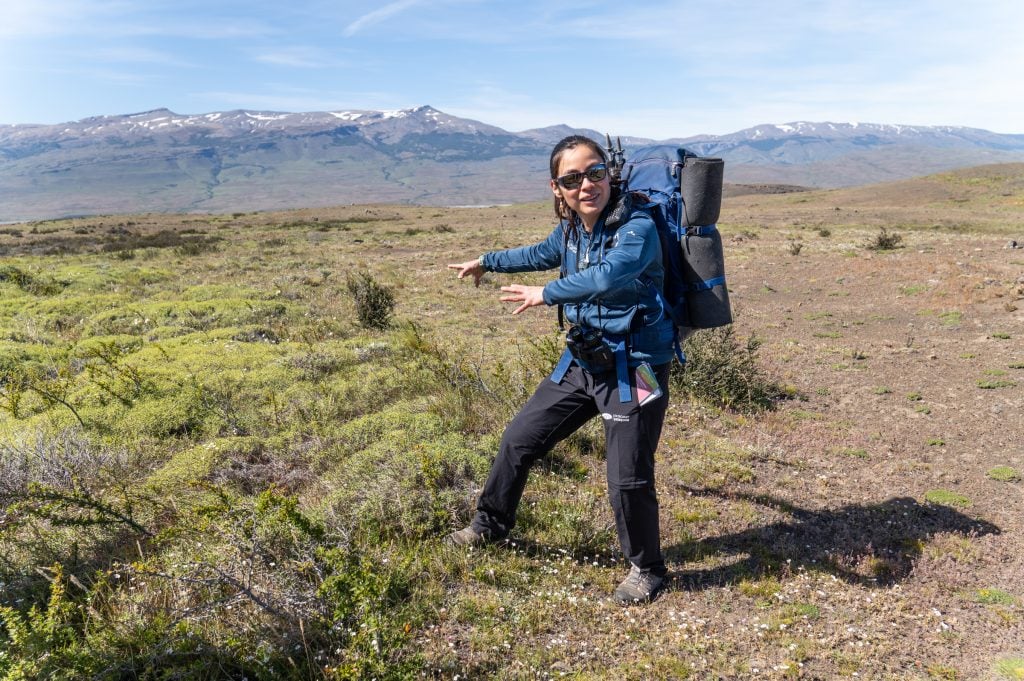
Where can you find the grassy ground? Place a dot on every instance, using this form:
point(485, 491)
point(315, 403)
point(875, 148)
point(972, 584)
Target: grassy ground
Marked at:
point(212, 470)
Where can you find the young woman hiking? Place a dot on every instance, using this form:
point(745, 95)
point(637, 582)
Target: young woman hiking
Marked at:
point(619, 346)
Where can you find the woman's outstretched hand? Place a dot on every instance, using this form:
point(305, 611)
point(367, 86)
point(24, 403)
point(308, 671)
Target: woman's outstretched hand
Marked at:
point(470, 268)
point(529, 296)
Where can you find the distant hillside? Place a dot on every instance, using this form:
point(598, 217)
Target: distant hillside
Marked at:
point(845, 154)
point(992, 188)
point(981, 199)
point(160, 161)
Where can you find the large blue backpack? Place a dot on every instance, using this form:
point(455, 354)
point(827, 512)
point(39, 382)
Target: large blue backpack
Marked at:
point(684, 195)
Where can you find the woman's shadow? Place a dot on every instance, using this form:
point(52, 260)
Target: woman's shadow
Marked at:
point(871, 545)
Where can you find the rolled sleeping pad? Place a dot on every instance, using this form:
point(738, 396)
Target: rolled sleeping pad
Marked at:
point(700, 184)
point(707, 298)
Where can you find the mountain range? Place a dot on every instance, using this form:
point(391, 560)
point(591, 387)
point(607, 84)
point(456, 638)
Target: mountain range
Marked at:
point(160, 161)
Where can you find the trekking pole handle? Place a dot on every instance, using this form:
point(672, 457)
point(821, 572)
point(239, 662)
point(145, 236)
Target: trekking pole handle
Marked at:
point(616, 158)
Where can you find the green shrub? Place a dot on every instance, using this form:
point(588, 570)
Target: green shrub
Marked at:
point(199, 463)
point(884, 241)
point(467, 397)
point(29, 283)
point(178, 413)
point(374, 302)
point(71, 500)
point(373, 606)
point(231, 595)
point(35, 639)
point(411, 478)
point(48, 385)
point(723, 371)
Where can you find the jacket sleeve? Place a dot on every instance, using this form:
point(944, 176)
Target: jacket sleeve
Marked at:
point(638, 246)
point(544, 255)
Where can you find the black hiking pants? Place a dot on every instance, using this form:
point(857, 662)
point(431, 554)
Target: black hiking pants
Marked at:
point(555, 411)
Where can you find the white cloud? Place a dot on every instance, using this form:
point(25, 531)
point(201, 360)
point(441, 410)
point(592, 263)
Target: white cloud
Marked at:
point(298, 57)
point(136, 55)
point(112, 19)
point(33, 18)
point(377, 16)
point(277, 97)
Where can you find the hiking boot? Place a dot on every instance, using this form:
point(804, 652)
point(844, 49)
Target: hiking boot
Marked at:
point(467, 536)
point(639, 586)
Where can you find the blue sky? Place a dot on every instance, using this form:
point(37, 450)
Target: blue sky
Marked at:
point(658, 69)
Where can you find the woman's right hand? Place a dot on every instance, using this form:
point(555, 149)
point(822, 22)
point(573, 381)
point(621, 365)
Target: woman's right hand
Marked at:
point(470, 268)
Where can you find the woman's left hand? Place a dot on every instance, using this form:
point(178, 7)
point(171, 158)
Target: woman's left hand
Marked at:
point(529, 296)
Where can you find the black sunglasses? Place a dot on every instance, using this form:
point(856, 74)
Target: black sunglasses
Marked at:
point(594, 173)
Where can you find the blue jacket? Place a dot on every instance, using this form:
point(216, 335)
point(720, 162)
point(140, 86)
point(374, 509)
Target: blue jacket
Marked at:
point(611, 278)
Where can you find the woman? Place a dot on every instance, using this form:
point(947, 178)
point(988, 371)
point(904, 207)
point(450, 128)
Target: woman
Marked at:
point(609, 255)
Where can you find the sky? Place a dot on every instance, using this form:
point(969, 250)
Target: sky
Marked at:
point(658, 69)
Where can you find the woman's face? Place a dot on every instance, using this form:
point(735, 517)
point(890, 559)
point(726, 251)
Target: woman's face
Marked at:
point(590, 198)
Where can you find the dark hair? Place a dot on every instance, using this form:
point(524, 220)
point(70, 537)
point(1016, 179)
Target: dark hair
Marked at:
point(562, 211)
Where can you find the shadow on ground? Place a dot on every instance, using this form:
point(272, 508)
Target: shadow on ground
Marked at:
point(870, 545)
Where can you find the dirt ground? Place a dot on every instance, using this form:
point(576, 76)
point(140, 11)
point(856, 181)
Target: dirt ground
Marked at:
point(910, 368)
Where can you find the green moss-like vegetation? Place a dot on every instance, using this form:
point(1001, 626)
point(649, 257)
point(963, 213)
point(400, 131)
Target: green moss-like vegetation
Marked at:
point(951, 317)
point(1011, 668)
point(194, 315)
point(995, 384)
point(992, 596)
point(947, 498)
point(1004, 474)
point(198, 463)
point(226, 443)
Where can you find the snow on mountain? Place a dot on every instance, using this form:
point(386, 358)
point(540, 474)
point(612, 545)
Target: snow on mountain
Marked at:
point(244, 159)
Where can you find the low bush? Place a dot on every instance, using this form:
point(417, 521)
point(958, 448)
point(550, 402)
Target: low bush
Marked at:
point(470, 398)
point(885, 241)
point(30, 283)
point(71, 500)
point(375, 302)
point(186, 245)
point(723, 371)
point(406, 477)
